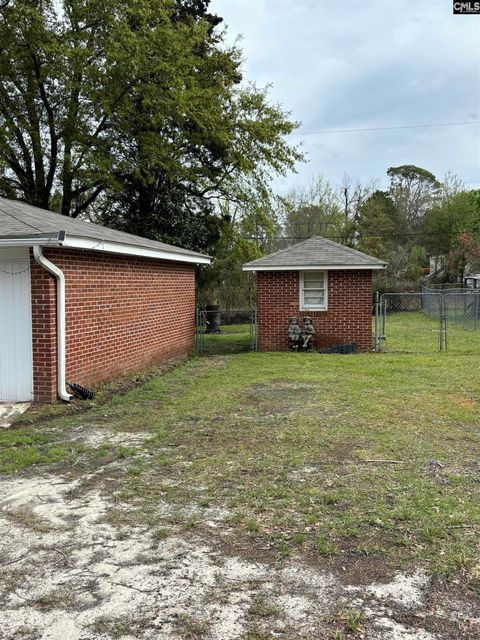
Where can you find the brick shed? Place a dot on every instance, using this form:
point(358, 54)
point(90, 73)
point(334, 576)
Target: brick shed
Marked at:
point(82, 303)
point(319, 278)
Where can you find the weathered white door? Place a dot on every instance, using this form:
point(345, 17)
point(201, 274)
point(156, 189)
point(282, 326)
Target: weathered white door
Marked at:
point(16, 365)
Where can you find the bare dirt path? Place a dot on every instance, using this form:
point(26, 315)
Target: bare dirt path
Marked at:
point(66, 572)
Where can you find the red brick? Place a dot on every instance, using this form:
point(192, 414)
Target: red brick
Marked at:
point(123, 313)
point(347, 319)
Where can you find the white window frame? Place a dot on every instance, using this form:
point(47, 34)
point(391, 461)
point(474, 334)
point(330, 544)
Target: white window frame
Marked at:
point(311, 307)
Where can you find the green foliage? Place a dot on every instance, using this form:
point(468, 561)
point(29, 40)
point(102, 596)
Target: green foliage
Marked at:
point(378, 225)
point(452, 215)
point(414, 191)
point(57, 89)
point(416, 218)
point(464, 254)
point(244, 235)
point(314, 211)
point(138, 107)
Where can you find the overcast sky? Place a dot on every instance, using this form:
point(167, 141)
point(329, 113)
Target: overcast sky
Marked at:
point(351, 64)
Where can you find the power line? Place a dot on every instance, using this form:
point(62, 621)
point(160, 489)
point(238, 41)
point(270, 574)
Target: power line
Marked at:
point(403, 126)
point(360, 236)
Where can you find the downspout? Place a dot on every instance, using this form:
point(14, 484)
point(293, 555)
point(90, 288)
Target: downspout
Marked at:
point(60, 278)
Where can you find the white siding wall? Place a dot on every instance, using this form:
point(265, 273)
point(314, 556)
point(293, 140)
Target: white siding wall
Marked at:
point(16, 366)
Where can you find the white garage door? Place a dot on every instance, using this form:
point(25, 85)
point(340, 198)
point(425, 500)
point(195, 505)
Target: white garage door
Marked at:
point(16, 367)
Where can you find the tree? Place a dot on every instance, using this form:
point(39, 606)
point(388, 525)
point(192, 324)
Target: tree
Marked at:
point(379, 232)
point(377, 225)
point(465, 254)
point(314, 210)
point(137, 107)
point(455, 213)
point(352, 197)
point(244, 237)
point(54, 115)
point(414, 191)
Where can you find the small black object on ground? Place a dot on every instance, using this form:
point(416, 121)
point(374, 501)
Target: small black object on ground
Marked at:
point(351, 347)
point(80, 392)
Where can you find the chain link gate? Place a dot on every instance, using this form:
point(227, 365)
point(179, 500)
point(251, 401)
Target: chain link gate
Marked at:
point(410, 322)
point(220, 331)
point(427, 321)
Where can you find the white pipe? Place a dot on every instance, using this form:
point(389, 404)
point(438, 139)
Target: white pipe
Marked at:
point(60, 277)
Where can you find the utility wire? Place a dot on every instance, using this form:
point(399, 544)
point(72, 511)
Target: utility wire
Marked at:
point(360, 236)
point(404, 126)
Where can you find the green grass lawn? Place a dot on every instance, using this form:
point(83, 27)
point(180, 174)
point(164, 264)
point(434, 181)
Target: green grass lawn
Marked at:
point(406, 332)
point(234, 338)
point(330, 457)
point(415, 332)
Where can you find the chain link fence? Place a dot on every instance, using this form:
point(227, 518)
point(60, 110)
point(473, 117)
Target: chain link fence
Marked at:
point(428, 321)
point(409, 322)
point(221, 331)
point(460, 306)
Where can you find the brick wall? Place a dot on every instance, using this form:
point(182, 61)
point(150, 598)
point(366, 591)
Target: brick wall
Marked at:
point(44, 333)
point(347, 319)
point(123, 313)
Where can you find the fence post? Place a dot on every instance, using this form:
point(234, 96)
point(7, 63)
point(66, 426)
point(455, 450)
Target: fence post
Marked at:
point(199, 330)
point(377, 321)
point(443, 324)
point(253, 329)
point(445, 335)
point(196, 332)
point(383, 318)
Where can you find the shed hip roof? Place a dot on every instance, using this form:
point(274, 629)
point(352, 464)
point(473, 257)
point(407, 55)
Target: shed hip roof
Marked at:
point(22, 224)
point(315, 253)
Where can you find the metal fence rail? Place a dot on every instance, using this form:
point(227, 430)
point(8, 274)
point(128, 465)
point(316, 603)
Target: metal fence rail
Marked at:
point(410, 322)
point(460, 306)
point(223, 331)
point(431, 320)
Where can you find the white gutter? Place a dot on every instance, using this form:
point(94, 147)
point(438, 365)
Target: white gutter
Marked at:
point(318, 267)
point(44, 241)
point(90, 244)
point(60, 277)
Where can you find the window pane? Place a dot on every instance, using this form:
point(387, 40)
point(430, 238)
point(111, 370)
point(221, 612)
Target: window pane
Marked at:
point(314, 289)
point(308, 276)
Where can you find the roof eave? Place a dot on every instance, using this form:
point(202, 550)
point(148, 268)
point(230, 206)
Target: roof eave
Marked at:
point(72, 242)
point(44, 240)
point(317, 267)
point(105, 246)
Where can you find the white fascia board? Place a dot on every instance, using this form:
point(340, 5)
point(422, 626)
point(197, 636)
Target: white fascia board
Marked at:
point(319, 267)
point(72, 242)
point(44, 241)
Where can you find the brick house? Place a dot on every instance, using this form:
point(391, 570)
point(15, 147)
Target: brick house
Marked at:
point(321, 279)
point(82, 303)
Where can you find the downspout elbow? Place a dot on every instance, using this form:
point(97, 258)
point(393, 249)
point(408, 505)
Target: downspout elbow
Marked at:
point(61, 334)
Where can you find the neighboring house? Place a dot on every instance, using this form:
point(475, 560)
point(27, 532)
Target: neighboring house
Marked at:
point(319, 278)
point(83, 303)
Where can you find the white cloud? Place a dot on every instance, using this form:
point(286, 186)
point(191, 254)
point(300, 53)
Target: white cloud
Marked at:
point(367, 63)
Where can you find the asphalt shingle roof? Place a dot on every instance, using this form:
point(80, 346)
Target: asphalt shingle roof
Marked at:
point(315, 252)
point(18, 219)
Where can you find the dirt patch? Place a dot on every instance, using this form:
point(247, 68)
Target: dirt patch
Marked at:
point(80, 577)
point(9, 412)
point(97, 437)
point(275, 398)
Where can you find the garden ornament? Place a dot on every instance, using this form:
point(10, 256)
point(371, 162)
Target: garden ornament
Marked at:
point(308, 331)
point(294, 334)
